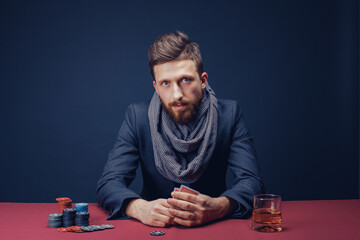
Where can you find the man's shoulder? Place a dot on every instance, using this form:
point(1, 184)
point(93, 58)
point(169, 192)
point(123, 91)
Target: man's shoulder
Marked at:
point(140, 107)
point(227, 102)
point(226, 105)
point(137, 113)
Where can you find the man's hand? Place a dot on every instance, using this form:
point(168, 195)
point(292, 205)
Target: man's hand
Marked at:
point(193, 210)
point(154, 213)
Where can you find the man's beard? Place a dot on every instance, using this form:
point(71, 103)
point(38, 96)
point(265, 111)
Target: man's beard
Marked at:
point(182, 116)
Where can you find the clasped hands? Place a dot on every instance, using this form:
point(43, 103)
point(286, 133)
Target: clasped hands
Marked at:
point(183, 209)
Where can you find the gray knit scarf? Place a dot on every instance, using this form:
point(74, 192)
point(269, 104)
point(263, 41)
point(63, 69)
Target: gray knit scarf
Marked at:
point(182, 151)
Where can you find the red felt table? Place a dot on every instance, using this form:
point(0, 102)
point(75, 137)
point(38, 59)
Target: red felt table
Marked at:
point(333, 219)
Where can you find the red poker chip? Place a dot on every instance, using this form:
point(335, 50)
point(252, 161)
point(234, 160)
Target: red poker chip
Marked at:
point(64, 202)
point(71, 229)
point(63, 229)
point(76, 229)
point(63, 199)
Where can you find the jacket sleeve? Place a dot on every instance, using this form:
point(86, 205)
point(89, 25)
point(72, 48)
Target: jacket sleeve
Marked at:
point(242, 162)
point(120, 169)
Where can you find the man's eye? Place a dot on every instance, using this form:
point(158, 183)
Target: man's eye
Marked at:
point(186, 80)
point(165, 83)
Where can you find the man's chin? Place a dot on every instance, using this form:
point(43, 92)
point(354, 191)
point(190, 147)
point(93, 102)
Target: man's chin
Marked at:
point(183, 117)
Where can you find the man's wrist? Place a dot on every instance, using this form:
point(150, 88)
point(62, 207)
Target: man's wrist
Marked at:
point(229, 205)
point(133, 207)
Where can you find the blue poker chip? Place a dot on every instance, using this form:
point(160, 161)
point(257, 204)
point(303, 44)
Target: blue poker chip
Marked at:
point(81, 207)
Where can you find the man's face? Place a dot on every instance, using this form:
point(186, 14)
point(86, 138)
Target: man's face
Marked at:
point(179, 87)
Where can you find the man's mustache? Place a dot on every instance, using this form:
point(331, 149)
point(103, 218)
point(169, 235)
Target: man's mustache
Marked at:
point(177, 103)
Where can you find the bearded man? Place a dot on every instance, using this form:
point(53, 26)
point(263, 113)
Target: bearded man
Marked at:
point(184, 136)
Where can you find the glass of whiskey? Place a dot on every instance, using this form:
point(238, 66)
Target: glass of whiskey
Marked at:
point(266, 216)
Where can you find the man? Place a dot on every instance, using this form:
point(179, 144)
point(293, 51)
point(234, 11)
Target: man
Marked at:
point(185, 135)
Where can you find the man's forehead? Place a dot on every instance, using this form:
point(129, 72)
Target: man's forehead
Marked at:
point(173, 69)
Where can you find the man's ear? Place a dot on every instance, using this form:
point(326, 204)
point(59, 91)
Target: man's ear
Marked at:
point(203, 78)
point(155, 86)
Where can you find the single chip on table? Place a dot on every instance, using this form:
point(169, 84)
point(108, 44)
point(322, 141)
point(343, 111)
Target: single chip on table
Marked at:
point(157, 233)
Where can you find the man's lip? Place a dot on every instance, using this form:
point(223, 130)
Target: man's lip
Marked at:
point(179, 107)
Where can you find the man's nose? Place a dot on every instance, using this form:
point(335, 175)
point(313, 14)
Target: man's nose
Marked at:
point(177, 92)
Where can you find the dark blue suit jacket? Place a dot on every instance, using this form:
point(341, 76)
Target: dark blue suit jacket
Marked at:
point(234, 150)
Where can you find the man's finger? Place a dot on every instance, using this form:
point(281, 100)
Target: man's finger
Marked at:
point(163, 210)
point(185, 196)
point(166, 204)
point(165, 218)
point(188, 223)
point(186, 215)
point(184, 205)
point(158, 223)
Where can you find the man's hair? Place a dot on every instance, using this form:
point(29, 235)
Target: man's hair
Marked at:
point(174, 46)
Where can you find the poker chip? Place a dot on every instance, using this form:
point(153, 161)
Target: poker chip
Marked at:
point(63, 229)
point(55, 220)
point(76, 229)
point(64, 202)
point(108, 226)
point(71, 229)
point(82, 218)
point(81, 207)
point(87, 228)
point(97, 227)
point(69, 217)
point(157, 233)
point(60, 199)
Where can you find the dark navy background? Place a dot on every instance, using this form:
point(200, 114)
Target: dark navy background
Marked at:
point(69, 69)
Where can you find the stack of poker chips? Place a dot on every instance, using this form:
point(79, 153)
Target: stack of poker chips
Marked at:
point(81, 207)
point(82, 219)
point(69, 217)
point(55, 220)
point(64, 202)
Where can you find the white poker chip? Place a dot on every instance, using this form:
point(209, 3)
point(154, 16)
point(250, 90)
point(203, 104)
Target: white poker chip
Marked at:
point(108, 226)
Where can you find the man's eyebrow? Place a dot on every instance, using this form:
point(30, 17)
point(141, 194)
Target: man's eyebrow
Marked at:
point(178, 78)
point(162, 80)
point(185, 76)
